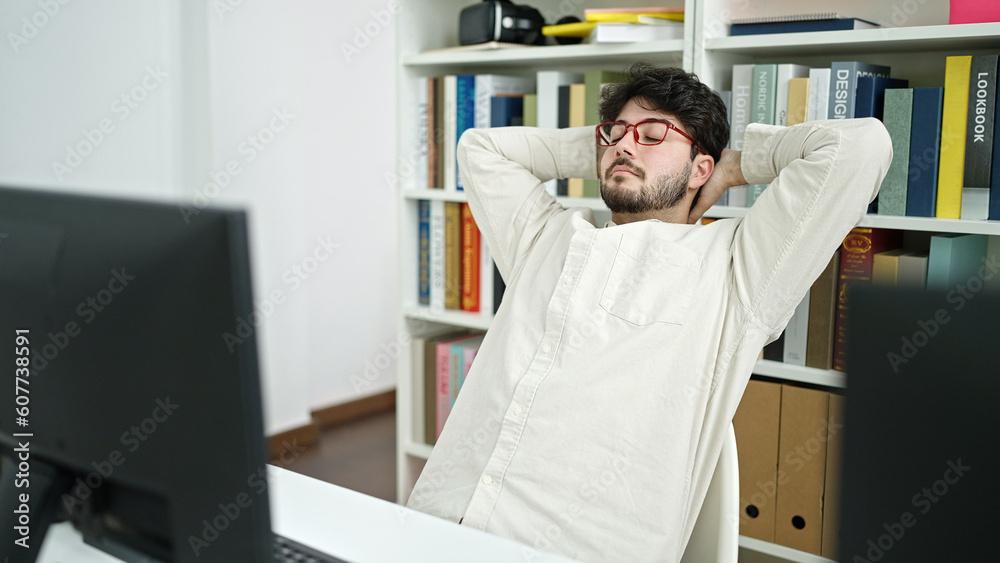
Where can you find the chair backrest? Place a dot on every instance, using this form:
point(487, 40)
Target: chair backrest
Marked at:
point(715, 538)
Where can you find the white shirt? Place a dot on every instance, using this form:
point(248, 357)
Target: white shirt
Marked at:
point(593, 416)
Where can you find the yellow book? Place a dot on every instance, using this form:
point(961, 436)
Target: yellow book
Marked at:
point(798, 100)
point(452, 255)
point(577, 118)
point(951, 169)
point(620, 17)
point(575, 29)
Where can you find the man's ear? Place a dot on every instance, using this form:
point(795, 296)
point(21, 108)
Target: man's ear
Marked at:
point(701, 171)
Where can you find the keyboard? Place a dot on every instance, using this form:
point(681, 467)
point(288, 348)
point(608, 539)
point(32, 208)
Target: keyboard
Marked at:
point(287, 550)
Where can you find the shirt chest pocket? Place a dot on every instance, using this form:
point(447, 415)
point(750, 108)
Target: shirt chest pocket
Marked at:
point(651, 281)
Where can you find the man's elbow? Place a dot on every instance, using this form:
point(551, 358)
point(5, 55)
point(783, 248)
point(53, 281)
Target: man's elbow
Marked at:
point(874, 141)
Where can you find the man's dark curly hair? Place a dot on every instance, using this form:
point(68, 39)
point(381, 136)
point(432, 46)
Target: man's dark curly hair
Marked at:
point(672, 90)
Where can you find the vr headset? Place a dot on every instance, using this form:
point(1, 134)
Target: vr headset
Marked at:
point(500, 20)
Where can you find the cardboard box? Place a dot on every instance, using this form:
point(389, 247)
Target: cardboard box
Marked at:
point(756, 426)
point(801, 468)
point(831, 489)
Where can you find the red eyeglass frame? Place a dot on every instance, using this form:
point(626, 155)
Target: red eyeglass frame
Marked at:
point(635, 133)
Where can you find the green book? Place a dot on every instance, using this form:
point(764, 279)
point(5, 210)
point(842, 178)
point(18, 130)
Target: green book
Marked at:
point(594, 81)
point(763, 93)
point(955, 259)
point(530, 118)
point(897, 118)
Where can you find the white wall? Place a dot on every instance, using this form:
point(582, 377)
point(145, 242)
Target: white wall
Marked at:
point(221, 72)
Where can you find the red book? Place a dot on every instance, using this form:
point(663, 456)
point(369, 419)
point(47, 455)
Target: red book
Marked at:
point(857, 257)
point(973, 11)
point(470, 261)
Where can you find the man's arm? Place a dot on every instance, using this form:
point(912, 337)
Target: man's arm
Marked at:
point(822, 177)
point(504, 171)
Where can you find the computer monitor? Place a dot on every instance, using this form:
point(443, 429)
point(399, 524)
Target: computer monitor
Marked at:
point(922, 426)
point(130, 402)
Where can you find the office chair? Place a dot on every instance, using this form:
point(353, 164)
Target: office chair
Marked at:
point(715, 538)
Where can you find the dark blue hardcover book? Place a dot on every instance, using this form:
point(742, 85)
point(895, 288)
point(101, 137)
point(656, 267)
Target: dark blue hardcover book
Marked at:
point(465, 112)
point(925, 152)
point(801, 26)
point(995, 173)
point(506, 110)
point(424, 251)
point(870, 97)
point(562, 184)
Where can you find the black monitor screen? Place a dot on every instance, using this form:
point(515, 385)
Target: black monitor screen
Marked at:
point(127, 405)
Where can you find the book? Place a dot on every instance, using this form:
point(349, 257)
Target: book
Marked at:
point(449, 139)
point(870, 95)
point(843, 85)
point(425, 358)
point(470, 260)
point(636, 10)
point(562, 184)
point(452, 255)
point(437, 255)
point(549, 82)
point(433, 138)
point(765, 77)
point(973, 11)
point(912, 269)
point(979, 137)
point(530, 117)
point(424, 116)
point(444, 364)
point(439, 132)
point(925, 151)
point(954, 259)
point(798, 100)
point(800, 26)
point(506, 110)
point(954, 115)
point(992, 282)
point(995, 175)
point(819, 94)
point(739, 119)
point(424, 252)
point(857, 255)
point(465, 115)
point(822, 316)
point(885, 268)
point(897, 115)
point(785, 72)
point(652, 18)
point(610, 32)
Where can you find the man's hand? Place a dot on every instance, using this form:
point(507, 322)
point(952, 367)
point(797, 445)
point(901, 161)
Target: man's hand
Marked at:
point(727, 174)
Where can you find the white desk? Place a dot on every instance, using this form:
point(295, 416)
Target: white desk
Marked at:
point(345, 523)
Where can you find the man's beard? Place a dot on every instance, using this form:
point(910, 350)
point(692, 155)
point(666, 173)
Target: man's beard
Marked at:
point(664, 192)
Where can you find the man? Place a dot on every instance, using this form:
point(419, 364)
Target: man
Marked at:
point(594, 414)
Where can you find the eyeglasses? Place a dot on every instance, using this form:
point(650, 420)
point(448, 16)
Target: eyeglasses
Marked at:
point(647, 133)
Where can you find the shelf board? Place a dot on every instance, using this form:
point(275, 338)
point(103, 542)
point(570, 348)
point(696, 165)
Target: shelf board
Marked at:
point(477, 321)
point(422, 451)
point(552, 54)
point(801, 374)
point(955, 38)
point(781, 551)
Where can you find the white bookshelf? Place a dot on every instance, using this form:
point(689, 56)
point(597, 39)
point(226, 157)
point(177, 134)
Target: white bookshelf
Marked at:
point(425, 28)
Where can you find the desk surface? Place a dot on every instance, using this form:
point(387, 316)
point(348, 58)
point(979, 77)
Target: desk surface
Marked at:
point(345, 523)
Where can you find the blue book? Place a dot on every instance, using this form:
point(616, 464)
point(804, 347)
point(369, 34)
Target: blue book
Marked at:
point(802, 26)
point(870, 97)
point(465, 112)
point(424, 251)
point(506, 111)
point(954, 259)
point(995, 176)
point(925, 152)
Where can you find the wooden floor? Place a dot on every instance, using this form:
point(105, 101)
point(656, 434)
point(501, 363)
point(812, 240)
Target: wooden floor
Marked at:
point(359, 455)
